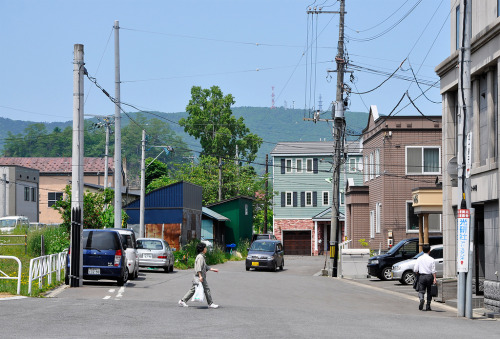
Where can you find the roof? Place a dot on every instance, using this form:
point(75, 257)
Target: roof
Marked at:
point(59, 165)
point(326, 215)
point(231, 199)
point(124, 189)
point(354, 147)
point(214, 215)
point(303, 148)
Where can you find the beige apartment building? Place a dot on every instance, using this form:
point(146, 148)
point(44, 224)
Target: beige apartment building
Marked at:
point(485, 170)
point(55, 174)
point(400, 154)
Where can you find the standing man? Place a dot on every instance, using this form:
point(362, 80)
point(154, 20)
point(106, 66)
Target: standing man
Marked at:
point(200, 276)
point(426, 270)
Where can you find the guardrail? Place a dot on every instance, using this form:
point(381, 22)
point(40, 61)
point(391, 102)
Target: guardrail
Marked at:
point(25, 236)
point(44, 267)
point(18, 271)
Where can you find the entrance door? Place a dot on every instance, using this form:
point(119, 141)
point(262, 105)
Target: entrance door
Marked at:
point(297, 242)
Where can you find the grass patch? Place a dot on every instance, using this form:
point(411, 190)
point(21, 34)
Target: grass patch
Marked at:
point(185, 257)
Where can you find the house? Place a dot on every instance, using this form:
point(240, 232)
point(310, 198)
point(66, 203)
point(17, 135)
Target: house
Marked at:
point(213, 226)
point(302, 176)
point(400, 154)
point(239, 212)
point(173, 213)
point(485, 167)
point(55, 174)
point(19, 187)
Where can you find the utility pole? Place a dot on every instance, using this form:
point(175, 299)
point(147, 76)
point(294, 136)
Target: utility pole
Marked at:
point(143, 185)
point(4, 205)
point(118, 132)
point(220, 179)
point(76, 260)
point(464, 156)
point(106, 156)
point(338, 137)
point(265, 194)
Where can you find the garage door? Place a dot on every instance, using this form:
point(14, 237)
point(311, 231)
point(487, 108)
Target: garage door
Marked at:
point(297, 242)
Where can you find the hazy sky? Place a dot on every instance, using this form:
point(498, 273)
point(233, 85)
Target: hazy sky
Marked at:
point(167, 47)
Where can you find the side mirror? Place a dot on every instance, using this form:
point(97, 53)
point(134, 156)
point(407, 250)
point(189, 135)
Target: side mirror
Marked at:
point(125, 246)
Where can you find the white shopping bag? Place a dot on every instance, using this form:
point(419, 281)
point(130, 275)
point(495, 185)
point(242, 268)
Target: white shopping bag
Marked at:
point(199, 294)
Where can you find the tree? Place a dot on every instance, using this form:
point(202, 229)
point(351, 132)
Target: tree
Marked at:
point(154, 170)
point(98, 210)
point(211, 121)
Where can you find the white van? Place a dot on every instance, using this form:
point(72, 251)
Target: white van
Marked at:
point(128, 237)
point(7, 224)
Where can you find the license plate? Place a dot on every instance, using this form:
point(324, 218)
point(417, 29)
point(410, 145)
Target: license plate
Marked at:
point(255, 263)
point(147, 256)
point(94, 271)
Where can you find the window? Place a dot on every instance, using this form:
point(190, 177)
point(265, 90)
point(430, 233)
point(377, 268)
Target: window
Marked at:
point(33, 194)
point(371, 166)
point(288, 199)
point(457, 28)
point(26, 194)
point(326, 198)
point(366, 168)
point(377, 212)
point(377, 162)
point(422, 160)
point(298, 163)
point(412, 220)
point(372, 224)
point(53, 197)
point(342, 197)
point(308, 198)
point(352, 165)
point(309, 165)
point(246, 209)
point(288, 165)
point(483, 120)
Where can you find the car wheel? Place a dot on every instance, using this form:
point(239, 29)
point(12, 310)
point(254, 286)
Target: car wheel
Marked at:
point(386, 273)
point(282, 264)
point(247, 268)
point(66, 276)
point(172, 268)
point(275, 267)
point(408, 278)
point(123, 279)
point(131, 275)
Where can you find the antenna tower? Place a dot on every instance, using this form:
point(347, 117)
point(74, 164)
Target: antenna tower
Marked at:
point(272, 99)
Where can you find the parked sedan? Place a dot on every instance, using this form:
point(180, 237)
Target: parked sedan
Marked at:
point(265, 254)
point(155, 252)
point(403, 270)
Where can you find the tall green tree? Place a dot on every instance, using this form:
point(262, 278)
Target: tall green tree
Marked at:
point(210, 120)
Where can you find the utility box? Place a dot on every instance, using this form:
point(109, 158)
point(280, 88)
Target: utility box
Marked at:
point(354, 263)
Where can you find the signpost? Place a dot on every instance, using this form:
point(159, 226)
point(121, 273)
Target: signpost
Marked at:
point(463, 223)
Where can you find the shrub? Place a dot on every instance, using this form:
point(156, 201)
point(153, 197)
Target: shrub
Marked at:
point(56, 239)
point(243, 246)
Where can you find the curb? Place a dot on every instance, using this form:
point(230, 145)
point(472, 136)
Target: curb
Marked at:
point(53, 293)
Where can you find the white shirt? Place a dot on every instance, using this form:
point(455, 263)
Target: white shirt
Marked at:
point(425, 265)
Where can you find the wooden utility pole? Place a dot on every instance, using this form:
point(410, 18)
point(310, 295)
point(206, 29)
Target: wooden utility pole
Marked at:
point(118, 132)
point(76, 260)
point(143, 185)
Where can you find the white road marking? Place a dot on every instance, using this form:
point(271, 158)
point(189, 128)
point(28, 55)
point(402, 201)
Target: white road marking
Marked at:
point(120, 292)
point(112, 290)
point(107, 297)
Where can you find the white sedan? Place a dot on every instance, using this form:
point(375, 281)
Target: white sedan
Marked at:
point(155, 252)
point(403, 270)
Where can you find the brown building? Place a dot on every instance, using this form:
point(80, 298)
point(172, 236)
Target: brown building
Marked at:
point(55, 174)
point(400, 153)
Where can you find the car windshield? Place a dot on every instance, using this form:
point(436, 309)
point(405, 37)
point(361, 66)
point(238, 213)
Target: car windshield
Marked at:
point(418, 255)
point(8, 223)
point(149, 244)
point(100, 240)
point(262, 246)
point(396, 248)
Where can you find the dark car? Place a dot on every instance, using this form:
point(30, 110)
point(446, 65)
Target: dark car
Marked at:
point(266, 254)
point(380, 266)
point(263, 236)
point(103, 256)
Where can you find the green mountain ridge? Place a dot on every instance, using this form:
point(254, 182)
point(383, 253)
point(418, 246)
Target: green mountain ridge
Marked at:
point(272, 125)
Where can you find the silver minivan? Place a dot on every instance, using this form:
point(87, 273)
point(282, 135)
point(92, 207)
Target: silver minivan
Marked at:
point(128, 237)
point(403, 270)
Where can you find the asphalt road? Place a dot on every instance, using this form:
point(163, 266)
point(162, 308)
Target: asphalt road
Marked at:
point(293, 303)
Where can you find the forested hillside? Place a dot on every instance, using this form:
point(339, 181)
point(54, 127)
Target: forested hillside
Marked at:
point(272, 125)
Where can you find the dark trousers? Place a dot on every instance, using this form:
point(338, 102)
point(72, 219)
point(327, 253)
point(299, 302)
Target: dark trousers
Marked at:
point(424, 285)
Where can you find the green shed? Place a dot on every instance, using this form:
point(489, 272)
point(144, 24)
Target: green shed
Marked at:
point(239, 211)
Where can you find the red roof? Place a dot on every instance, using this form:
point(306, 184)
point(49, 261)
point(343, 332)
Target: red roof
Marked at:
point(57, 165)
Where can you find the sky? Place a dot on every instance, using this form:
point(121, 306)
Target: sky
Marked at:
point(244, 47)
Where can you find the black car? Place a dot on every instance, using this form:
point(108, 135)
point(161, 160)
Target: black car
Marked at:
point(263, 236)
point(380, 266)
point(266, 254)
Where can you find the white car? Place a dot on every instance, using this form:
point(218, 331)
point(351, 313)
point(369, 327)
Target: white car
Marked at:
point(128, 237)
point(403, 270)
point(155, 252)
point(7, 224)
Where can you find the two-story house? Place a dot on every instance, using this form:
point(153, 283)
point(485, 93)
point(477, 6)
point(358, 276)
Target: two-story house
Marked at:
point(19, 192)
point(302, 182)
point(400, 154)
point(485, 167)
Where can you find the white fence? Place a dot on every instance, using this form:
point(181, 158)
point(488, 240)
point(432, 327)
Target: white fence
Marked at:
point(5, 276)
point(44, 267)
